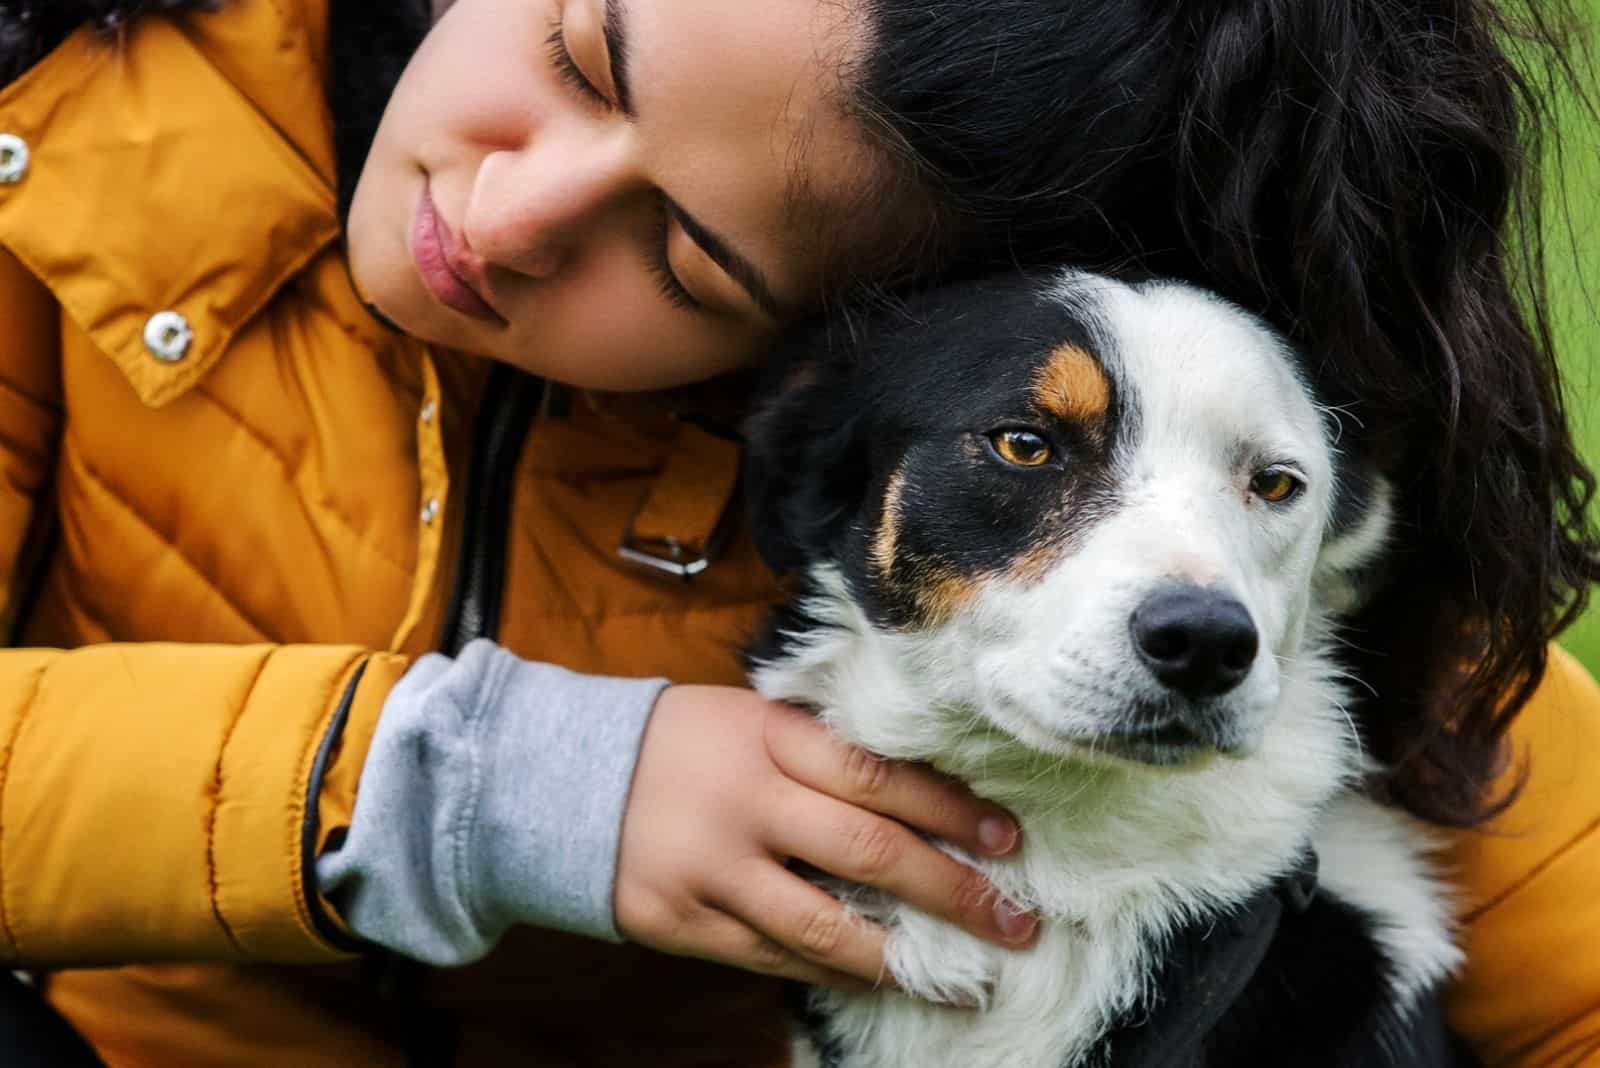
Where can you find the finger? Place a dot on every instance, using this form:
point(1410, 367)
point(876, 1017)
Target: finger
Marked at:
point(731, 941)
point(809, 753)
point(864, 848)
point(801, 920)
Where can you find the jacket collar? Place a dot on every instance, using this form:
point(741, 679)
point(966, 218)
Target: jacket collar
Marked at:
point(158, 247)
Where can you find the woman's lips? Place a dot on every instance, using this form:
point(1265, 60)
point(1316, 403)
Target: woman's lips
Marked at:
point(436, 252)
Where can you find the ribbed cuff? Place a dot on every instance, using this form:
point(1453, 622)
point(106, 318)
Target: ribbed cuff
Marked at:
point(493, 795)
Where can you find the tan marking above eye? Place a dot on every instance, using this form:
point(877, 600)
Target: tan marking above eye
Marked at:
point(1022, 447)
point(1275, 485)
point(1074, 386)
point(886, 542)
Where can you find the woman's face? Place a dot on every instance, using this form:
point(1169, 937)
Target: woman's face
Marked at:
point(618, 194)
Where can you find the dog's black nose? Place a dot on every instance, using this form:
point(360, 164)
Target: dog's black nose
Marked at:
point(1198, 642)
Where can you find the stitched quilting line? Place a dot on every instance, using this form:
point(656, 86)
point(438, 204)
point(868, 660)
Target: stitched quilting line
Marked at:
point(1577, 1048)
point(10, 394)
point(216, 803)
point(1550, 859)
point(23, 395)
point(74, 456)
point(291, 475)
point(5, 780)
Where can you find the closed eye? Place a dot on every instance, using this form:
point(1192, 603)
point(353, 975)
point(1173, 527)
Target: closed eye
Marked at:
point(659, 262)
point(656, 257)
point(569, 72)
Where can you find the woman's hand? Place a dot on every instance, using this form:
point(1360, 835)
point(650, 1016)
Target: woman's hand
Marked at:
point(729, 786)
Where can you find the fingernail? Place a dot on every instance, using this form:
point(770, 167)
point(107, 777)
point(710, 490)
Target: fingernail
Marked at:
point(997, 835)
point(1015, 924)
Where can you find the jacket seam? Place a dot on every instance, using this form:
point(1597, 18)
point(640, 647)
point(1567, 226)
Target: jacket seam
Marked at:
point(5, 781)
point(28, 398)
point(21, 448)
point(74, 455)
point(305, 889)
point(285, 26)
point(291, 475)
point(1534, 872)
point(1554, 1031)
point(212, 888)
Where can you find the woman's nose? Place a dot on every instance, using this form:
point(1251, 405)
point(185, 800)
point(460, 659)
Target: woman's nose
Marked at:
point(533, 207)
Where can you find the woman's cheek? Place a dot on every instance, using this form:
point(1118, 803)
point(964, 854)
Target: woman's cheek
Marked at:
point(620, 333)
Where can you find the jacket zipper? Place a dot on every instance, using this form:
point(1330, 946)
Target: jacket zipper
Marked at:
point(506, 411)
point(510, 399)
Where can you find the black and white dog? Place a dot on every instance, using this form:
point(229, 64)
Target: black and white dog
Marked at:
point(1083, 544)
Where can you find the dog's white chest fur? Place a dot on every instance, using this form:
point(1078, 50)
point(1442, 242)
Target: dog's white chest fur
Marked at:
point(1115, 857)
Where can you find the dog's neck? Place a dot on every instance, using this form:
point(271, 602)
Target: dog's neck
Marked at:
point(1115, 857)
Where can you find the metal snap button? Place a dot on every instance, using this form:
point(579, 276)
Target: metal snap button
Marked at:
point(13, 159)
point(167, 336)
point(430, 510)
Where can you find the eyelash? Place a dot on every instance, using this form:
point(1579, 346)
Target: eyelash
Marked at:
point(567, 68)
point(655, 257)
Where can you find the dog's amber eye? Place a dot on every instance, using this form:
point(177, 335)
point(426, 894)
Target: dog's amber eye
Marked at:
point(1275, 485)
point(1021, 447)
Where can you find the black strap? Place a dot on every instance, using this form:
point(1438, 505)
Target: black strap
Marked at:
point(1208, 966)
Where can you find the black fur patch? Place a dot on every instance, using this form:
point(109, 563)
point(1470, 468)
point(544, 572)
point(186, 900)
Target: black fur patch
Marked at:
point(853, 407)
point(1319, 998)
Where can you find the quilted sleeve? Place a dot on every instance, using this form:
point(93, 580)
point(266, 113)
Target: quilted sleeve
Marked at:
point(1529, 996)
point(168, 801)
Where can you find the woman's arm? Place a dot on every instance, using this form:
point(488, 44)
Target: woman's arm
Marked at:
point(156, 801)
point(162, 802)
point(1530, 993)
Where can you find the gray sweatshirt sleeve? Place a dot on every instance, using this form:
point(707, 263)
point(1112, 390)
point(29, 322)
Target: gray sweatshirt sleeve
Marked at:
point(493, 794)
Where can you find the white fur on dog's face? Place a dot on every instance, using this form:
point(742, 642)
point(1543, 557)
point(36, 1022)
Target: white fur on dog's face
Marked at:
point(1216, 400)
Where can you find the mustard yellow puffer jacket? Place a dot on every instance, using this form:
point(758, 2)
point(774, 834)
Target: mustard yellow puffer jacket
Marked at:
point(234, 507)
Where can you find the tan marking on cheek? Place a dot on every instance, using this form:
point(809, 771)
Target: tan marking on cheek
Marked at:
point(887, 540)
point(1033, 565)
point(1074, 386)
point(942, 594)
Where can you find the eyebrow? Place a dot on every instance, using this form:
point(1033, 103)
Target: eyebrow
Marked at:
point(614, 28)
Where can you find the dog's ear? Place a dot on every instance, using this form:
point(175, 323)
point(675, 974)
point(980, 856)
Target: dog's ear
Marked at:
point(1350, 564)
point(806, 465)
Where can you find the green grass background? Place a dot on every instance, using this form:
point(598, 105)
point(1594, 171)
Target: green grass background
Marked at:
point(1573, 191)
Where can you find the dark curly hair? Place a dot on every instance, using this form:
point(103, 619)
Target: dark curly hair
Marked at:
point(29, 28)
point(1363, 173)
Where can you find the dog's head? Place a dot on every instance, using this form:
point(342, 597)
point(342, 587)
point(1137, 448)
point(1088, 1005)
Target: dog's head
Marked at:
point(1102, 514)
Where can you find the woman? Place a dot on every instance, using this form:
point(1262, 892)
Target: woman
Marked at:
point(270, 502)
